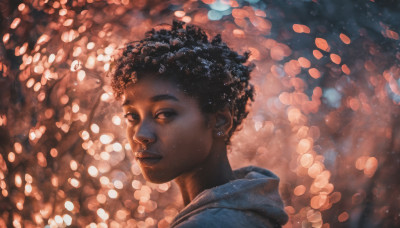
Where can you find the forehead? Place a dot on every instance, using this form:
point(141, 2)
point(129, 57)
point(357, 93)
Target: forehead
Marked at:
point(148, 87)
point(151, 84)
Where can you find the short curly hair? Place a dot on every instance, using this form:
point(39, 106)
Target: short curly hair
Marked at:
point(207, 70)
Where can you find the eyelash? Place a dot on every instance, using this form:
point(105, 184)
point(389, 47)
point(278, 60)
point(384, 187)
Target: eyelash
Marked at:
point(168, 114)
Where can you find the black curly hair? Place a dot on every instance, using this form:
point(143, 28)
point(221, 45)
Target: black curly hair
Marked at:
point(207, 70)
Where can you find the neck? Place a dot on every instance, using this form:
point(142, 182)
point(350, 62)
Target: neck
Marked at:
point(213, 172)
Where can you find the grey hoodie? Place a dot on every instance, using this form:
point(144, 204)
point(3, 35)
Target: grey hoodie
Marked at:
point(251, 200)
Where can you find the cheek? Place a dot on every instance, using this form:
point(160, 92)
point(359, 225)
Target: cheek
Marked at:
point(193, 140)
point(129, 134)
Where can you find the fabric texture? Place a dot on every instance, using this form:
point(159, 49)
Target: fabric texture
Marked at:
point(251, 200)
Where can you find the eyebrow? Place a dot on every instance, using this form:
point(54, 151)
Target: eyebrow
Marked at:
point(156, 98)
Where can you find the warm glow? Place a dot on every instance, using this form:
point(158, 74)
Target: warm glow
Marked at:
point(322, 44)
point(93, 171)
point(106, 139)
point(69, 205)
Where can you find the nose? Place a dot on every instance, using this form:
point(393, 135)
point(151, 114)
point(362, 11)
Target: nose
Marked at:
point(144, 135)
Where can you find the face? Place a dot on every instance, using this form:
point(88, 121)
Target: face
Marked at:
point(167, 131)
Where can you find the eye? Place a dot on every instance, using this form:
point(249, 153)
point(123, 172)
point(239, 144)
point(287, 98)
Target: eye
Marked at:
point(131, 117)
point(165, 115)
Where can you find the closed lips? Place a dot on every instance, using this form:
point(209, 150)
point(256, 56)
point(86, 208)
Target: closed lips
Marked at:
point(145, 154)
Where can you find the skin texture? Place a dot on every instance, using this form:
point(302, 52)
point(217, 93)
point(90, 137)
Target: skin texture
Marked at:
point(182, 141)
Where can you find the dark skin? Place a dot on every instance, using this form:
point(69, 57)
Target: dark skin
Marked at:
point(172, 139)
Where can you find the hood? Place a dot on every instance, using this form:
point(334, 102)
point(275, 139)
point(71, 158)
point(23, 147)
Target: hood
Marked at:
point(254, 189)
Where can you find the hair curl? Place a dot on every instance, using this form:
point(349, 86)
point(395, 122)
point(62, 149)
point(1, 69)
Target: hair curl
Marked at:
point(207, 70)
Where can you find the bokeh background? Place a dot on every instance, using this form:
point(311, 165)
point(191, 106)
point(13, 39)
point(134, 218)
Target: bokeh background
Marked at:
point(325, 119)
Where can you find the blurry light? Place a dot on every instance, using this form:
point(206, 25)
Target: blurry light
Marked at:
point(28, 189)
point(118, 184)
point(95, 128)
point(54, 181)
point(15, 23)
point(335, 58)
point(18, 180)
point(75, 65)
point(116, 120)
point(30, 83)
point(43, 39)
point(64, 99)
point(21, 6)
point(67, 219)
point(74, 165)
point(318, 201)
point(101, 198)
point(58, 219)
point(75, 108)
point(343, 217)
point(322, 44)
point(53, 152)
point(11, 157)
point(314, 73)
point(345, 39)
point(370, 166)
point(214, 15)
point(20, 205)
point(90, 62)
point(105, 97)
point(141, 209)
point(90, 45)
point(179, 13)
point(63, 12)
point(317, 54)
point(6, 37)
point(136, 184)
point(18, 147)
point(81, 75)
point(299, 190)
point(112, 194)
point(322, 179)
point(304, 145)
point(37, 86)
point(106, 66)
point(305, 63)
point(306, 160)
point(74, 182)
point(127, 146)
point(106, 139)
point(298, 28)
point(333, 97)
point(117, 147)
point(163, 187)
point(28, 178)
point(104, 180)
point(68, 22)
point(345, 69)
point(108, 50)
point(102, 214)
point(69, 205)
point(93, 171)
point(186, 19)
point(314, 170)
point(220, 5)
point(77, 51)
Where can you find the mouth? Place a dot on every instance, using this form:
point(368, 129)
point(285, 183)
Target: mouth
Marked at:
point(147, 158)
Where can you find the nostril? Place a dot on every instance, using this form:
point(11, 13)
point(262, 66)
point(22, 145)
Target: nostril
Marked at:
point(144, 141)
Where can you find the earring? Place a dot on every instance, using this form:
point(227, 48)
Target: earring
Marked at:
point(220, 133)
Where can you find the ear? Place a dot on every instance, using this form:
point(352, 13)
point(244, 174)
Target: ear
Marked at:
point(223, 122)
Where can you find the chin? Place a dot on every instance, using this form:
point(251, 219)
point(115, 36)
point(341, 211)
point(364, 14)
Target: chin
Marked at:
point(155, 177)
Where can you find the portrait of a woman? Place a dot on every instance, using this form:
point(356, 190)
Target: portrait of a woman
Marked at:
point(184, 95)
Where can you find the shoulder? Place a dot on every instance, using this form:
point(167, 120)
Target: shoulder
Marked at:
point(225, 217)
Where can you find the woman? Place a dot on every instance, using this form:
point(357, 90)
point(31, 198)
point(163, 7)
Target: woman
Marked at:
point(183, 98)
